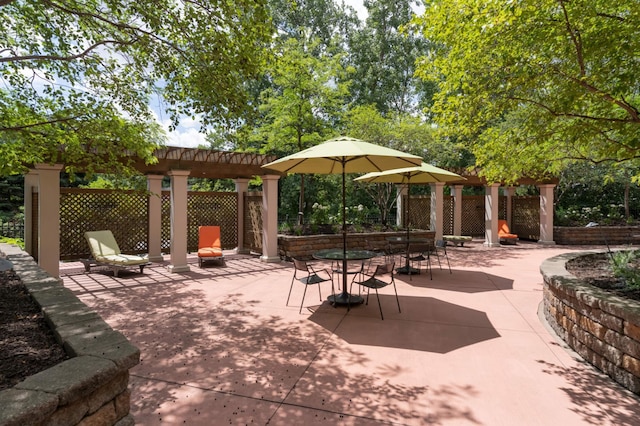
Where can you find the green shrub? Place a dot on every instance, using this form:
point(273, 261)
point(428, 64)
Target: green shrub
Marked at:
point(624, 267)
point(15, 241)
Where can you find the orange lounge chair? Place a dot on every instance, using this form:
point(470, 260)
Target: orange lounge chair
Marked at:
point(209, 245)
point(504, 234)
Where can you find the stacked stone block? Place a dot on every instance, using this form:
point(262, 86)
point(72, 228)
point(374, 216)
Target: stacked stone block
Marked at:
point(602, 328)
point(89, 388)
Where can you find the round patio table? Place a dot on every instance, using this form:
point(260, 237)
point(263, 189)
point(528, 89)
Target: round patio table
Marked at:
point(344, 298)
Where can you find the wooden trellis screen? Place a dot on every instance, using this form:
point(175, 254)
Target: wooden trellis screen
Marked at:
point(473, 215)
point(125, 213)
point(122, 212)
point(525, 217)
point(212, 208)
point(253, 221)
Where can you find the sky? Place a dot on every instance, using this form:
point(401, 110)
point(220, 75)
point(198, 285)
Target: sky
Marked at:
point(187, 134)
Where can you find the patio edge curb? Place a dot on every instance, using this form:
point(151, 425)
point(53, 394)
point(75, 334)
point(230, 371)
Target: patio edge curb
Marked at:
point(92, 385)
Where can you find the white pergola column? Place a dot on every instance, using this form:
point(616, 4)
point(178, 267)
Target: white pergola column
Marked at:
point(457, 209)
point(491, 210)
point(30, 186)
point(437, 208)
point(546, 214)
point(154, 186)
point(510, 192)
point(179, 221)
point(400, 209)
point(49, 218)
point(242, 186)
point(270, 219)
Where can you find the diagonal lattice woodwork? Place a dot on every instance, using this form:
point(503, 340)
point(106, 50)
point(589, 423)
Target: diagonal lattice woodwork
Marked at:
point(447, 225)
point(525, 217)
point(124, 213)
point(212, 208)
point(419, 211)
point(473, 215)
point(253, 222)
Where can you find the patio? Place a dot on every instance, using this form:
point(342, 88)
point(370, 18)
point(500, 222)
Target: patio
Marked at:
point(219, 346)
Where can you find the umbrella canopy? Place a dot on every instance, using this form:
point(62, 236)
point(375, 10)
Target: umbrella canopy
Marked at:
point(344, 155)
point(424, 173)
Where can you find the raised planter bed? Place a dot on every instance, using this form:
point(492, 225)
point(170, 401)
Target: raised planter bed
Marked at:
point(596, 235)
point(89, 388)
point(601, 327)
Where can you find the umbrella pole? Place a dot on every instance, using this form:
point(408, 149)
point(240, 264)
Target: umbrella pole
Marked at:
point(344, 240)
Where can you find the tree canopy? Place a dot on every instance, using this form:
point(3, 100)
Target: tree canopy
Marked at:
point(78, 77)
point(534, 84)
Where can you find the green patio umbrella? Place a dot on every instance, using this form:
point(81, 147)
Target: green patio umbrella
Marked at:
point(424, 173)
point(344, 155)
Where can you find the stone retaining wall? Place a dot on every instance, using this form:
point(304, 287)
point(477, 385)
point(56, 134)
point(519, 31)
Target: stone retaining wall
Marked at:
point(602, 328)
point(90, 388)
point(302, 247)
point(599, 235)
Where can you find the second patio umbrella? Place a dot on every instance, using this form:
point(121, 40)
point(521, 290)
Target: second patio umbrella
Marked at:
point(424, 173)
point(344, 155)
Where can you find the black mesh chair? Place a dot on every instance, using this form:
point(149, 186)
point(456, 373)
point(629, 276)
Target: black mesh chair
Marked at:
point(441, 247)
point(307, 275)
point(381, 277)
point(418, 253)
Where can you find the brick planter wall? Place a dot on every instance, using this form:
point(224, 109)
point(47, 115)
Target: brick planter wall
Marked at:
point(303, 247)
point(91, 388)
point(602, 328)
point(599, 235)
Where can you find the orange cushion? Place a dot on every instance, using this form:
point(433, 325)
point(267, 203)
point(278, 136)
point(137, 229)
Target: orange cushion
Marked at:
point(503, 230)
point(209, 252)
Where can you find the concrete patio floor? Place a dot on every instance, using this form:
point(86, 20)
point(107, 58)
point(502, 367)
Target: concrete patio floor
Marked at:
point(219, 346)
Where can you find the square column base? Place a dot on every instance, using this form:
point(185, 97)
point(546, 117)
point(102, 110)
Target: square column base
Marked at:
point(177, 269)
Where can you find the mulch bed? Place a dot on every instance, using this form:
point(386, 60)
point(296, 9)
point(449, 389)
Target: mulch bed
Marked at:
point(595, 270)
point(27, 344)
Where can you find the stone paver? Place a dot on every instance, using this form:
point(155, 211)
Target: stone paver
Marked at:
point(219, 346)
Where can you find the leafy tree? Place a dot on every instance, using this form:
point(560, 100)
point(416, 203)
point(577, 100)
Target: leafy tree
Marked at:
point(77, 77)
point(110, 181)
point(532, 85)
point(384, 58)
point(304, 103)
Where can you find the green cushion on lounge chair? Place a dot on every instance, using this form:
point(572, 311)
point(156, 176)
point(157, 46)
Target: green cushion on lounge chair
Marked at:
point(123, 259)
point(105, 251)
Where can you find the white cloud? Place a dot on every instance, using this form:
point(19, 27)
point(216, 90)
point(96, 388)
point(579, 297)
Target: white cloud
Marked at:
point(186, 135)
point(186, 138)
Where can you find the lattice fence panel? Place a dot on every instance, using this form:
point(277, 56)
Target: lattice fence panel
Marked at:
point(525, 217)
point(447, 226)
point(473, 215)
point(419, 211)
point(124, 213)
point(212, 208)
point(253, 222)
point(502, 207)
point(165, 232)
point(35, 220)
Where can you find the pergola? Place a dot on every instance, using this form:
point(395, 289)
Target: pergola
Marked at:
point(473, 178)
point(180, 163)
point(177, 163)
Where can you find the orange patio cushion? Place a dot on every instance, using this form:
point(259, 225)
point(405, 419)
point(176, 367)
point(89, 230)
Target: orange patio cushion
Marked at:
point(503, 230)
point(209, 244)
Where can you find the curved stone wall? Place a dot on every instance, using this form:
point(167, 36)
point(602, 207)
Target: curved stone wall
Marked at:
point(89, 388)
point(601, 327)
